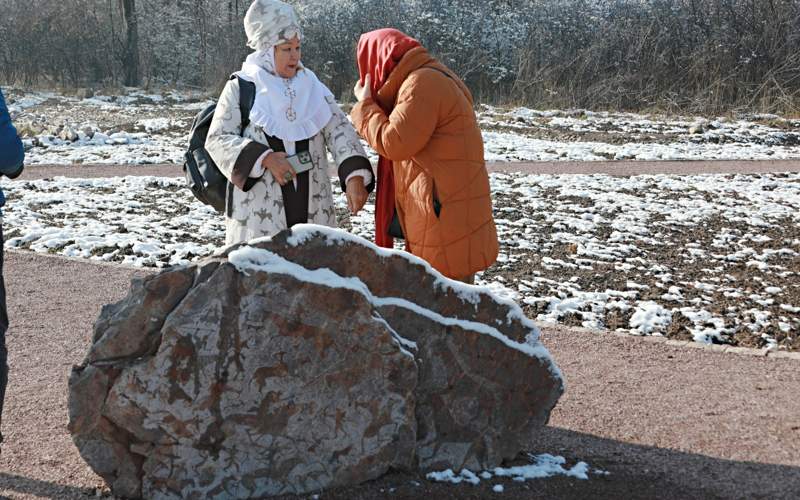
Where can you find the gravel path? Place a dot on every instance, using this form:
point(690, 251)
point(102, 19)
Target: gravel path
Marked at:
point(625, 168)
point(565, 167)
point(52, 305)
point(666, 422)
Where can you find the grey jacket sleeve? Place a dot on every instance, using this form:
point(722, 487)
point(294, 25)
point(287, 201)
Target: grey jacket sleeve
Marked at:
point(234, 155)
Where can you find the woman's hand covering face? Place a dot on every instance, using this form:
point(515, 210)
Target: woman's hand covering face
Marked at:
point(363, 92)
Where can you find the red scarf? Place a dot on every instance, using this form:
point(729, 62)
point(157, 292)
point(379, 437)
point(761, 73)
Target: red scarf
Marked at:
point(378, 54)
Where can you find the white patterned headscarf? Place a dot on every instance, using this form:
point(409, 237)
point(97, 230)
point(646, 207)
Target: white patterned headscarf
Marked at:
point(269, 23)
point(290, 109)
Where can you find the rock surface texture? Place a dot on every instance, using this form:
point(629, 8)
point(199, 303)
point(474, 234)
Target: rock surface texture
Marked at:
point(309, 360)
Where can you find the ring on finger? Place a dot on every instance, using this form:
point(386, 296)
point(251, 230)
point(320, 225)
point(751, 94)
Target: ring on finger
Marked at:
point(287, 176)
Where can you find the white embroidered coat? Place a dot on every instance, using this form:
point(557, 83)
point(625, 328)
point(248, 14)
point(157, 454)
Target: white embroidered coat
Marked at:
point(258, 207)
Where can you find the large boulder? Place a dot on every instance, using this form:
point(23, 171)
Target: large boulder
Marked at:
point(84, 93)
point(309, 360)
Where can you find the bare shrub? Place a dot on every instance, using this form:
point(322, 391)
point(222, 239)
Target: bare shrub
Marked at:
point(692, 56)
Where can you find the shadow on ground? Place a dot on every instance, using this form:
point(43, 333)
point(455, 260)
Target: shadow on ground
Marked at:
point(16, 486)
point(635, 472)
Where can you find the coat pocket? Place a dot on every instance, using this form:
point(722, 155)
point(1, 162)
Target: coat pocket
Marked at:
point(437, 207)
point(396, 230)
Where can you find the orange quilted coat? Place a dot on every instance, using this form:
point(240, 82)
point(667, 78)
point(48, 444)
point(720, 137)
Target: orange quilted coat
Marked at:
point(433, 138)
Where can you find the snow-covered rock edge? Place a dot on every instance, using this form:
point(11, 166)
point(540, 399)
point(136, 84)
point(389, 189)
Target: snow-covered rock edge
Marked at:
point(248, 258)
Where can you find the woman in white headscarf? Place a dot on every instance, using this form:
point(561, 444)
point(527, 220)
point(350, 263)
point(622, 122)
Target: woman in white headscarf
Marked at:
point(293, 115)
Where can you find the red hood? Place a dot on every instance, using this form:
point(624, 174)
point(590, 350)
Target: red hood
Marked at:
point(379, 52)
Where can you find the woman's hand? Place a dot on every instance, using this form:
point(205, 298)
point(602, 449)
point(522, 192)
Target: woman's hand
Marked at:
point(280, 169)
point(356, 194)
point(363, 91)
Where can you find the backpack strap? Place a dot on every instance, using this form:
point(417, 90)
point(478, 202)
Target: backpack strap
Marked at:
point(247, 97)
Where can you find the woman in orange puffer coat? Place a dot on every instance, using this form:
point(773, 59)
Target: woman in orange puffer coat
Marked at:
point(418, 116)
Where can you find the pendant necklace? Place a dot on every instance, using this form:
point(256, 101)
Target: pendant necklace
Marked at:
point(291, 114)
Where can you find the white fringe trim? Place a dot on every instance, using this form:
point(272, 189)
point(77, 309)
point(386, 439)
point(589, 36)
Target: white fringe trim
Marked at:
point(313, 110)
point(293, 131)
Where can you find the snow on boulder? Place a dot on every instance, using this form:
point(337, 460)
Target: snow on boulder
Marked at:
point(120, 138)
point(305, 361)
point(68, 134)
point(100, 139)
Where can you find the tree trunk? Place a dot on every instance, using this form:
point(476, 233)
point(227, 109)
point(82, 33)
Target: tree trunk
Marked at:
point(131, 57)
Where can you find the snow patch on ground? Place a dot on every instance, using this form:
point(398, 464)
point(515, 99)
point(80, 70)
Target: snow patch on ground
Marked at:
point(541, 466)
point(572, 135)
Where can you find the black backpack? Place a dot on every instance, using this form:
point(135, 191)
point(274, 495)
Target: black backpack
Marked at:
point(205, 180)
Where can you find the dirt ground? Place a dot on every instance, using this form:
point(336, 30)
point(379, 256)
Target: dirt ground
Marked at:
point(664, 421)
point(550, 168)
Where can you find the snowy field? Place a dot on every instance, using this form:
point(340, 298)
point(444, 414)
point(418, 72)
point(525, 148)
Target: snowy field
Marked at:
point(710, 258)
point(138, 127)
point(713, 258)
point(134, 128)
point(578, 135)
